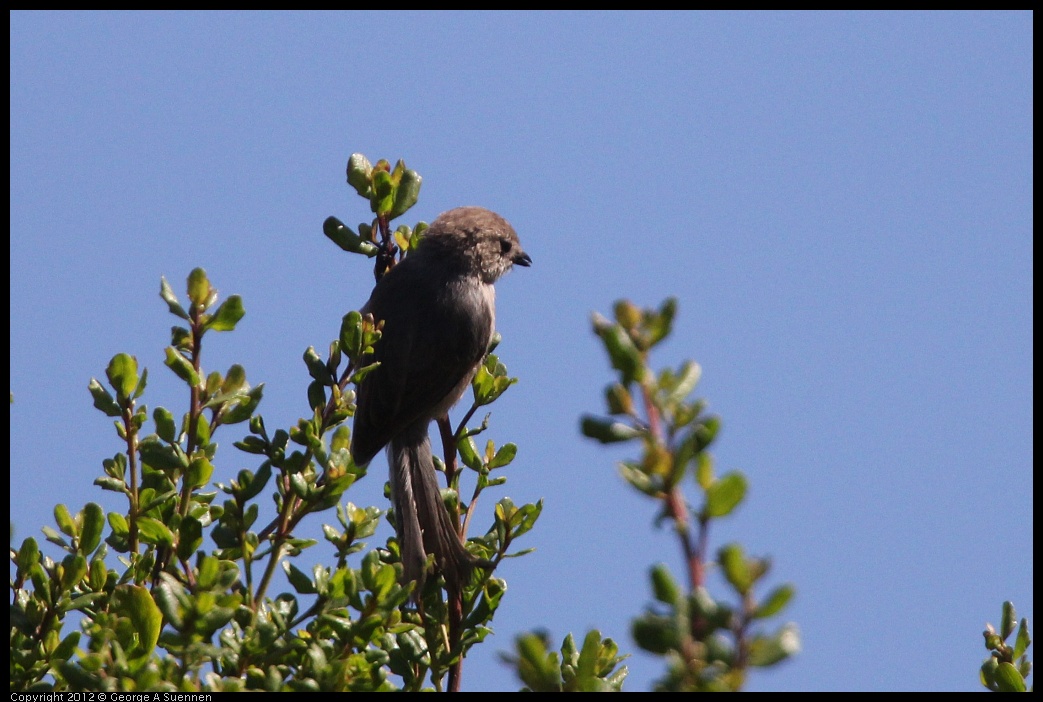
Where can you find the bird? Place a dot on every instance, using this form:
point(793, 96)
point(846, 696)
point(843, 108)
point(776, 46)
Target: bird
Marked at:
point(438, 311)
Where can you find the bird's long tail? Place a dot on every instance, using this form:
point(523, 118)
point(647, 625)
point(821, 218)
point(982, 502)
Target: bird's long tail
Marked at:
point(423, 523)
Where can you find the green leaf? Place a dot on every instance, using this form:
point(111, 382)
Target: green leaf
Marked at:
point(215, 619)
point(660, 324)
point(619, 400)
point(209, 569)
point(150, 499)
point(168, 597)
point(366, 232)
point(167, 293)
point(384, 581)
point(112, 484)
point(79, 603)
point(633, 474)
point(490, 381)
point(504, 455)
point(702, 604)
point(153, 531)
point(343, 236)
point(525, 518)
point(351, 335)
point(607, 431)
point(74, 568)
point(775, 601)
point(181, 366)
point(235, 379)
point(1008, 620)
point(137, 420)
point(63, 518)
point(98, 574)
point(161, 456)
point(383, 192)
point(687, 378)
point(299, 579)
point(359, 169)
point(103, 400)
point(244, 407)
point(665, 587)
point(537, 667)
point(67, 648)
point(213, 384)
point(316, 368)
point(190, 537)
point(41, 581)
point(627, 314)
point(180, 338)
point(621, 351)
point(316, 395)
point(704, 471)
point(78, 678)
point(725, 494)
point(123, 376)
point(654, 633)
point(361, 373)
point(252, 444)
point(341, 439)
point(769, 650)
point(1021, 644)
point(137, 603)
point(469, 453)
point(406, 193)
point(198, 287)
point(93, 523)
point(28, 554)
point(227, 315)
point(118, 523)
point(736, 568)
point(658, 462)
point(403, 237)
point(165, 427)
point(586, 667)
point(1008, 679)
point(199, 472)
point(251, 484)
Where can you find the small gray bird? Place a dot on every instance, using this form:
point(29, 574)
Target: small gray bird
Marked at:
point(439, 315)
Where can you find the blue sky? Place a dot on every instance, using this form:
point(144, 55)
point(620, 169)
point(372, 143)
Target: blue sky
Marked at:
point(840, 201)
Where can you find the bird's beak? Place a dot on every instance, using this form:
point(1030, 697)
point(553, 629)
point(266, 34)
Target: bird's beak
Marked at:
point(522, 259)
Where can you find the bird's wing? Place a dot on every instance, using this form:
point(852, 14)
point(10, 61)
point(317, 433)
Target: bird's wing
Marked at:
point(436, 331)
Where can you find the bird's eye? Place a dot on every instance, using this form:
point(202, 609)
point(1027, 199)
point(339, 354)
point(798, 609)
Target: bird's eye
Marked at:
point(505, 246)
